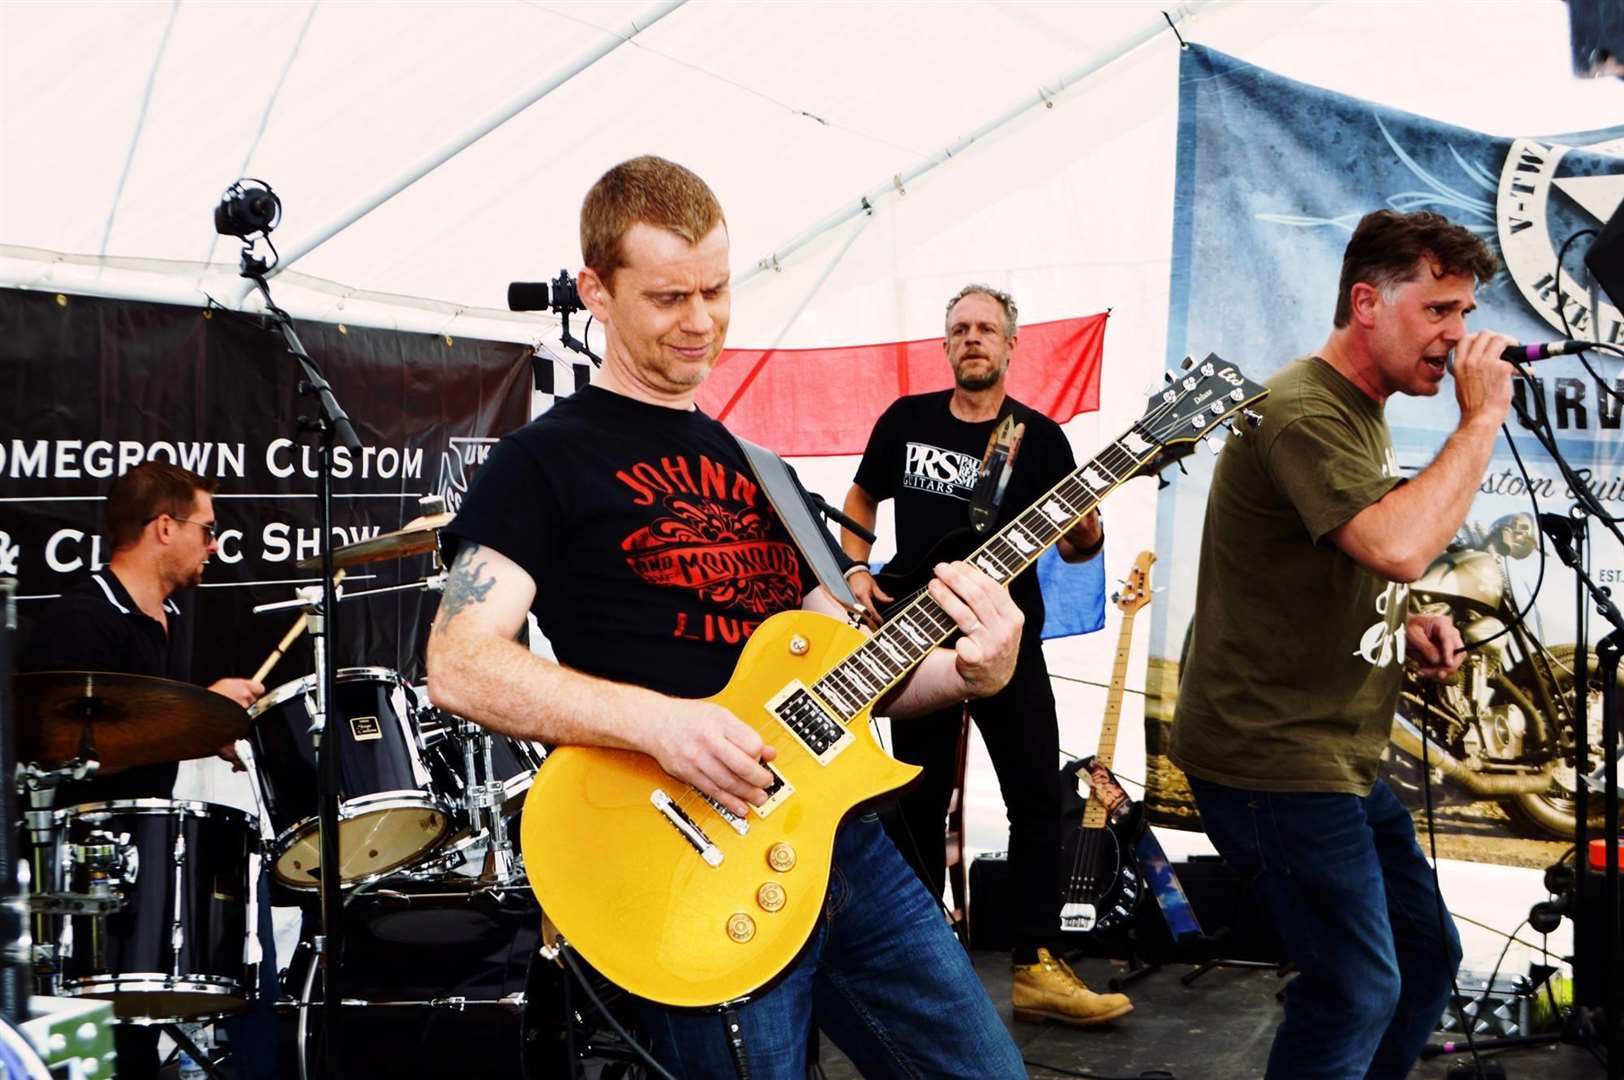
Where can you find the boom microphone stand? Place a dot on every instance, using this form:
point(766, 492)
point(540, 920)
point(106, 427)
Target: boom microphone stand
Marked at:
point(1566, 537)
point(249, 208)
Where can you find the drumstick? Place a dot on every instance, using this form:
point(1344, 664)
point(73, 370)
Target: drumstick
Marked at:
point(288, 639)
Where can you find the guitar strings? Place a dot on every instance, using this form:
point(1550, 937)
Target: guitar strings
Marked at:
point(1117, 461)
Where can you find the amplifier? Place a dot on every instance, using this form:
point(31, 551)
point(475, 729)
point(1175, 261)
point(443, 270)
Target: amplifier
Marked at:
point(1237, 924)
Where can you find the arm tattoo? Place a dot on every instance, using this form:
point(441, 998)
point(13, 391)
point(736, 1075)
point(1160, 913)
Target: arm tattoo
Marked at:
point(467, 584)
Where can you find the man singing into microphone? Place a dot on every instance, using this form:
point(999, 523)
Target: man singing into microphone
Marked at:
point(1301, 626)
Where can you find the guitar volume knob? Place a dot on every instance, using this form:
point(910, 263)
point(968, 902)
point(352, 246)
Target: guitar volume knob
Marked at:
point(781, 857)
point(771, 896)
point(798, 645)
point(741, 927)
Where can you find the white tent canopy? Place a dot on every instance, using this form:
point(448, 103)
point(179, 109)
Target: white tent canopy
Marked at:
point(122, 122)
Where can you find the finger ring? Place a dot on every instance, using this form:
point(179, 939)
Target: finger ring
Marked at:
point(973, 627)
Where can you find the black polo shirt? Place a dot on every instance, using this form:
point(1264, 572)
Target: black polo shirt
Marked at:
point(95, 626)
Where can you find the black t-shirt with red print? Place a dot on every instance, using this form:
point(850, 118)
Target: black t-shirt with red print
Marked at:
point(654, 551)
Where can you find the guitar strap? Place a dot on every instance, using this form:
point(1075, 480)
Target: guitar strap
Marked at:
point(789, 501)
point(997, 464)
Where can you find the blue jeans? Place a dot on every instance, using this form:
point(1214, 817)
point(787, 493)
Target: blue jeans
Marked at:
point(1357, 909)
point(882, 976)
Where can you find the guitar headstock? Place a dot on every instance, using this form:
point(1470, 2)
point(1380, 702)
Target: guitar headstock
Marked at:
point(1197, 405)
point(1135, 592)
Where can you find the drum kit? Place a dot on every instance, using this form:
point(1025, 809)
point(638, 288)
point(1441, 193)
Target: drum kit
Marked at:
point(153, 904)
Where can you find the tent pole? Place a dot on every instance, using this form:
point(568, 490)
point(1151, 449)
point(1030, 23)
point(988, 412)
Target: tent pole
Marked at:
point(1162, 23)
point(484, 126)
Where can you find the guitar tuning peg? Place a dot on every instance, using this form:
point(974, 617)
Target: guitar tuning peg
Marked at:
point(1162, 482)
point(1182, 469)
point(1253, 419)
point(1170, 376)
point(1187, 363)
point(1215, 443)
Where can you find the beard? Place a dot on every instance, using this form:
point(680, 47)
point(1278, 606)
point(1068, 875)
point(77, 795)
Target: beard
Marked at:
point(968, 381)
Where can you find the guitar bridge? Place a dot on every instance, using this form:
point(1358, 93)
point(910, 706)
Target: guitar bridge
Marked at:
point(685, 825)
point(740, 826)
point(1076, 916)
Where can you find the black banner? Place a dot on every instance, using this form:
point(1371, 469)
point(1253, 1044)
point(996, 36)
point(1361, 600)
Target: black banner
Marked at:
point(92, 387)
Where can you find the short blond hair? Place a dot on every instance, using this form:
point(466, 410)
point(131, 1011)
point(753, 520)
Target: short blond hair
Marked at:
point(645, 189)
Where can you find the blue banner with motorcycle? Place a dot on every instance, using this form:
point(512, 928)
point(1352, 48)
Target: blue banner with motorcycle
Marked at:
point(1272, 176)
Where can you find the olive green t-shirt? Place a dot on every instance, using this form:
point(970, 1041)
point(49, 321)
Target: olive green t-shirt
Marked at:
point(1292, 668)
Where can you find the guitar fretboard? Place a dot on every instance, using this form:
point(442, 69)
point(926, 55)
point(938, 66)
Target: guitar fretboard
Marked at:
point(882, 661)
point(1094, 812)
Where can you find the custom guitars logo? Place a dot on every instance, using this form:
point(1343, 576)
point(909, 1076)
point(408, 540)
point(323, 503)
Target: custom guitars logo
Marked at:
point(710, 538)
point(944, 472)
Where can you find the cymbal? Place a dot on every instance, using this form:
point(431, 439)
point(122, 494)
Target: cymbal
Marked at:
point(414, 538)
point(135, 719)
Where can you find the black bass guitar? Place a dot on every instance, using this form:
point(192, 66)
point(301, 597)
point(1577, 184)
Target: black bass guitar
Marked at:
point(1100, 882)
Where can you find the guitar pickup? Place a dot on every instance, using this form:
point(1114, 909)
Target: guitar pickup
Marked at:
point(777, 791)
point(685, 825)
point(810, 722)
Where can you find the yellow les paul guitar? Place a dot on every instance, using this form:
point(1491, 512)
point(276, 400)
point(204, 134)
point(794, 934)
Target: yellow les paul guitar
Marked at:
point(679, 901)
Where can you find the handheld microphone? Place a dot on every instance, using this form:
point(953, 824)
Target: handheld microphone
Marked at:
point(1527, 354)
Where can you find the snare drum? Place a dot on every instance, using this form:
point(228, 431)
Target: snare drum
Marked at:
point(180, 946)
point(394, 803)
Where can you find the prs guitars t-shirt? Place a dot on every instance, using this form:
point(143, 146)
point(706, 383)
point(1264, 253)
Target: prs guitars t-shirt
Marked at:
point(654, 551)
point(927, 459)
point(1295, 652)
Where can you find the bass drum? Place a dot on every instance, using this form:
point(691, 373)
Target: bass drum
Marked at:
point(439, 979)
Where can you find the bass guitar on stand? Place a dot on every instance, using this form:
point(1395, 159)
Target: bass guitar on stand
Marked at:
point(1102, 883)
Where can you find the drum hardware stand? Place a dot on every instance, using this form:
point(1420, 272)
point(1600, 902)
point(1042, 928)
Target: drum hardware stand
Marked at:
point(14, 928)
point(483, 800)
point(48, 902)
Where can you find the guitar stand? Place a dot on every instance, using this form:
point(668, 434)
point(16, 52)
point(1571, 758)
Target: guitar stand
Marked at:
point(1138, 968)
point(1282, 969)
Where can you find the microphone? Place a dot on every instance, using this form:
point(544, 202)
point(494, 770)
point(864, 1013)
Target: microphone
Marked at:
point(1527, 354)
point(528, 296)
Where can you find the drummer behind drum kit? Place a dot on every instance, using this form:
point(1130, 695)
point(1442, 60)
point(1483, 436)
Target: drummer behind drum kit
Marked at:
point(153, 904)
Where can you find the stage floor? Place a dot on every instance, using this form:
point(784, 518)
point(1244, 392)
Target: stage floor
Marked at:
point(1218, 1029)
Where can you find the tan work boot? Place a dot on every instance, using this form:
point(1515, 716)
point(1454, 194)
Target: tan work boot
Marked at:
point(1050, 990)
